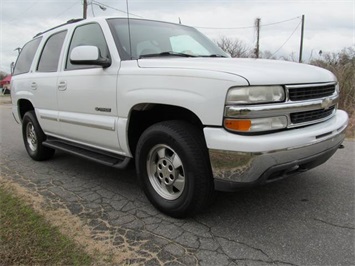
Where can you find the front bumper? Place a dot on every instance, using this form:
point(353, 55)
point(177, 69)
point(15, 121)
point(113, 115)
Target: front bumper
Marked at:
point(239, 161)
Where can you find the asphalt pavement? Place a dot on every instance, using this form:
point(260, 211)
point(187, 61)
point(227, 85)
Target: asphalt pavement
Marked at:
point(303, 220)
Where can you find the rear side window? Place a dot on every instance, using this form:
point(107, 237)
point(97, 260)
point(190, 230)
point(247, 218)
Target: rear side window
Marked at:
point(26, 56)
point(50, 55)
point(89, 34)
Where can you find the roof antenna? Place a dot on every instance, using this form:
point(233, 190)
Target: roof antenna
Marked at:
point(129, 31)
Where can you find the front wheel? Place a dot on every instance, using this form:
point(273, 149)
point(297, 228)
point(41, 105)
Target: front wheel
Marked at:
point(33, 137)
point(173, 167)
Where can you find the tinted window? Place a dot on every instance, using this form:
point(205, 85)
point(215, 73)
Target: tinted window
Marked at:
point(26, 56)
point(51, 52)
point(89, 34)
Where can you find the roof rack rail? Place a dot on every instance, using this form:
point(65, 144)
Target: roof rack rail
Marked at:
point(68, 22)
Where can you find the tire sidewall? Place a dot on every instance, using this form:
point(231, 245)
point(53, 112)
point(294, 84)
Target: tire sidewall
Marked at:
point(148, 141)
point(28, 118)
point(41, 153)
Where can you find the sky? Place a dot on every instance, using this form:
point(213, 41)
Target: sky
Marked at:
point(329, 25)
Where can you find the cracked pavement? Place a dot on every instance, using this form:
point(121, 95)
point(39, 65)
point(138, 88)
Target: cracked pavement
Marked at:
point(303, 220)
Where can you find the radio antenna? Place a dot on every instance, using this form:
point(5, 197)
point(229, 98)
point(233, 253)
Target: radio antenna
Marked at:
point(129, 31)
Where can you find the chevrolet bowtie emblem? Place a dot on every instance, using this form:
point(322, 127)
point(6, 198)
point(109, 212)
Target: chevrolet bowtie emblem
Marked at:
point(326, 103)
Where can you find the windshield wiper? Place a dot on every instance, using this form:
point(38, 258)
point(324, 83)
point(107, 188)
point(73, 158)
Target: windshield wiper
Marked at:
point(169, 53)
point(213, 55)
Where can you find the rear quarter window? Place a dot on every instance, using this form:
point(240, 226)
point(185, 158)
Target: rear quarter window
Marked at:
point(24, 60)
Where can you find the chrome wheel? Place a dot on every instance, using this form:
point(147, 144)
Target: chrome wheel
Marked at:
point(166, 172)
point(31, 137)
point(173, 168)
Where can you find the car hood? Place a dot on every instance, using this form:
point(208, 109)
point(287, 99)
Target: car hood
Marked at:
point(256, 71)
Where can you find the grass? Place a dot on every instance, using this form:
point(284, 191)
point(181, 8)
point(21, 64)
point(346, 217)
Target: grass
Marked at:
point(27, 238)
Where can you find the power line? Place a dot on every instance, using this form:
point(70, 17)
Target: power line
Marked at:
point(248, 27)
point(287, 38)
point(35, 4)
point(23, 12)
point(122, 11)
point(234, 28)
point(76, 3)
point(279, 22)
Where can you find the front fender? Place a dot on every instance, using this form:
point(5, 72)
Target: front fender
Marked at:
point(198, 91)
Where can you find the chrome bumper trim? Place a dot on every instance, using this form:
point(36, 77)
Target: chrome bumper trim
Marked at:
point(242, 167)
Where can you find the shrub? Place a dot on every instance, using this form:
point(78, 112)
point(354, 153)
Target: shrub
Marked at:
point(342, 64)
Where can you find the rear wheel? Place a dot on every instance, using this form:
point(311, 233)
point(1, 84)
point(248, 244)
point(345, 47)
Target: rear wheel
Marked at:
point(173, 167)
point(33, 137)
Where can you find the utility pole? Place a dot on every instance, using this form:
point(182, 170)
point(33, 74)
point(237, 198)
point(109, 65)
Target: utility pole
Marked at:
point(301, 43)
point(85, 8)
point(257, 25)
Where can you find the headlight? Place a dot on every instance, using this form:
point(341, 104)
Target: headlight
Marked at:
point(255, 94)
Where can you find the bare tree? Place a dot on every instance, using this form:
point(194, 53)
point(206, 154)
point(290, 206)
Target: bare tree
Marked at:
point(291, 57)
point(342, 64)
point(267, 55)
point(2, 75)
point(234, 47)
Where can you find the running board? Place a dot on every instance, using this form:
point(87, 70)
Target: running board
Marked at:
point(106, 158)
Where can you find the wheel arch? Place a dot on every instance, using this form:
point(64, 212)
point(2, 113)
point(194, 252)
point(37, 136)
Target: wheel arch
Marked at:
point(24, 105)
point(144, 115)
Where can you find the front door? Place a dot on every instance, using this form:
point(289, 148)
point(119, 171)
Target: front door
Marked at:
point(87, 95)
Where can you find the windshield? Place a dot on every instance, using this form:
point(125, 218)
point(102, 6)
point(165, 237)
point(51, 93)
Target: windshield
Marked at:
point(160, 39)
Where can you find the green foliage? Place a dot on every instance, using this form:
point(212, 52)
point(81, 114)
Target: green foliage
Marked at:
point(27, 239)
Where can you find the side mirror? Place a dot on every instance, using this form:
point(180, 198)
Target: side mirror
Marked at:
point(88, 55)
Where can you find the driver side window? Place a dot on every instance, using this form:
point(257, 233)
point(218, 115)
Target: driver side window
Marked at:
point(89, 34)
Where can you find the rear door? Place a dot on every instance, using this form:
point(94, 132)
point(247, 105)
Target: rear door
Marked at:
point(44, 82)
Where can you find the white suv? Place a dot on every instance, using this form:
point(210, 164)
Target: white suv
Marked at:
point(193, 119)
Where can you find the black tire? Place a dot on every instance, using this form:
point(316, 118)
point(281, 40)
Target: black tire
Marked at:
point(33, 137)
point(175, 151)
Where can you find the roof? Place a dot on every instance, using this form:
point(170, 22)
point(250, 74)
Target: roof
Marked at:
point(68, 22)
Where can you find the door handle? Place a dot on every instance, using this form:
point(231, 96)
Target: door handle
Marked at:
point(62, 86)
point(34, 86)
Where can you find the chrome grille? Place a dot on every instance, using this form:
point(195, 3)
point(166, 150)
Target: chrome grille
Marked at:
point(308, 116)
point(310, 92)
point(305, 104)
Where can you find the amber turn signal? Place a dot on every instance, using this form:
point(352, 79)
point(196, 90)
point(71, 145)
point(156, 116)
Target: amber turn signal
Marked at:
point(237, 124)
